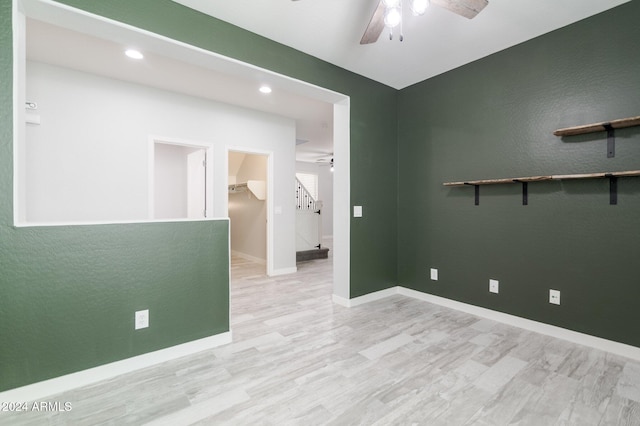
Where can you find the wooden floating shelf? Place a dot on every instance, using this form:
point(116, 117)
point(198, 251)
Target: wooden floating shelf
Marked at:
point(499, 181)
point(607, 126)
point(544, 178)
point(628, 173)
point(599, 127)
point(613, 177)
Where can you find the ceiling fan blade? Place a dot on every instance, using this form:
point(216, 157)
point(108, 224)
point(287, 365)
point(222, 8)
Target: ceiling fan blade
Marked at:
point(467, 8)
point(375, 27)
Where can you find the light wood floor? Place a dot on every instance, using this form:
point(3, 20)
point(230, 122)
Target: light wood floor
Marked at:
point(299, 359)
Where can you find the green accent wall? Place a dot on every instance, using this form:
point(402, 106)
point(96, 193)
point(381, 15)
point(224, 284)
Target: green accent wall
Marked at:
point(67, 294)
point(494, 118)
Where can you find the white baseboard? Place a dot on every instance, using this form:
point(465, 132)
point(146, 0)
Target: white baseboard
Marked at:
point(68, 382)
point(338, 300)
point(40, 390)
point(371, 297)
point(249, 257)
point(526, 324)
point(283, 271)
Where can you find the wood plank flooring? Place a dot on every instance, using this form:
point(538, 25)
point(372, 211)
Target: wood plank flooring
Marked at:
point(299, 359)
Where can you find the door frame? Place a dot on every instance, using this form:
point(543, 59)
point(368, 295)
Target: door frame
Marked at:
point(207, 146)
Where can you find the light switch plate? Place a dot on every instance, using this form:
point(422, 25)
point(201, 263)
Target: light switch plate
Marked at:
point(554, 297)
point(494, 286)
point(357, 211)
point(434, 274)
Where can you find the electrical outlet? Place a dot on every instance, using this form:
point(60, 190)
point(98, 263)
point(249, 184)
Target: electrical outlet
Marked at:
point(434, 274)
point(494, 286)
point(142, 319)
point(554, 297)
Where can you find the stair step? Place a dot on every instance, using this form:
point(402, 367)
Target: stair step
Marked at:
point(322, 253)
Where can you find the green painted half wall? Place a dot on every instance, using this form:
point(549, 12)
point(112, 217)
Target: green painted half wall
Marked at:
point(495, 118)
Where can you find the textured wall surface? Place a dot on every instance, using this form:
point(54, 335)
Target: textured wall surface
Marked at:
point(68, 293)
point(494, 118)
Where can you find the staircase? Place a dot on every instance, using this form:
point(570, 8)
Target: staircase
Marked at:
point(308, 226)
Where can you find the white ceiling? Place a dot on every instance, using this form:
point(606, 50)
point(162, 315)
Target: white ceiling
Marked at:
point(433, 43)
point(60, 46)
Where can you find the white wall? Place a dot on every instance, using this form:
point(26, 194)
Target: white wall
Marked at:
point(170, 181)
point(88, 160)
point(325, 192)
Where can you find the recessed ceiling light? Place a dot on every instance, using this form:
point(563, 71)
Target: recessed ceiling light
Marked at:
point(134, 54)
point(265, 89)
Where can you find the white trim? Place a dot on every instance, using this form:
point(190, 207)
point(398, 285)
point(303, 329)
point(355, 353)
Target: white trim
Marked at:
point(526, 324)
point(271, 223)
point(114, 222)
point(342, 199)
point(338, 300)
point(249, 257)
point(371, 297)
point(19, 93)
point(71, 381)
point(229, 270)
point(284, 271)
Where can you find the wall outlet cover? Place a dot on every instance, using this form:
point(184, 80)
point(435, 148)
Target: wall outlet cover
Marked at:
point(434, 274)
point(357, 211)
point(554, 297)
point(142, 319)
point(494, 286)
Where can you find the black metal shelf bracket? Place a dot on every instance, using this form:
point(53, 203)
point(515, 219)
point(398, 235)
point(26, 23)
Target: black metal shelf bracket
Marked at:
point(477, 193)
point(613, 189)
point(611, 140)
point(525, 192)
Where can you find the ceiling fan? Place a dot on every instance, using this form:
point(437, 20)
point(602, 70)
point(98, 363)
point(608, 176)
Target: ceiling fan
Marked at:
point(389, 10)
point(325, 159)
point(388, 13)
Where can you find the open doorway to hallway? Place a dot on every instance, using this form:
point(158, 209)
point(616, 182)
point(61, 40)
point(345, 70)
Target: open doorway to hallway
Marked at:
point(248, 273)
point(248, 212)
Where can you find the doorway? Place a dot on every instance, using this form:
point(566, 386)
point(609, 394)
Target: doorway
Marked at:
point(248, 177)
point(179, 180)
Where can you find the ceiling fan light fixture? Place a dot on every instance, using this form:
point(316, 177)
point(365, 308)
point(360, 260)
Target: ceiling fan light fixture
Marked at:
point(391, 3)
point(419, 7)
point(134, 54)
point(392, 17)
